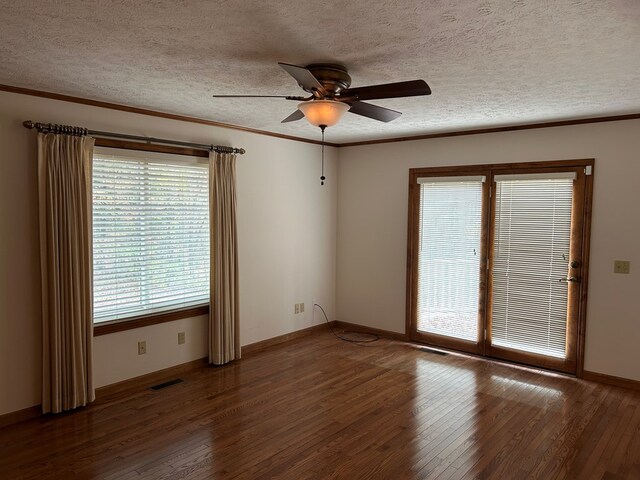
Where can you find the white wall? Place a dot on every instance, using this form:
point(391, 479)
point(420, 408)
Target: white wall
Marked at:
point(372, 226)
point(286, 229)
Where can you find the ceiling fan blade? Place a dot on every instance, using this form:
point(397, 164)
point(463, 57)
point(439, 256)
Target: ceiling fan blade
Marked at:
point(297, 115)
point(373, 111)
point(304, 77)
point(288, 97)
point(411, 88)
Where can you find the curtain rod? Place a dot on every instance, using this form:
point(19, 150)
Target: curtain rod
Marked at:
point(71, 130)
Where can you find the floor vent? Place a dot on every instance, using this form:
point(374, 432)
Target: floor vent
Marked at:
point(435, 352)
point(160, 386)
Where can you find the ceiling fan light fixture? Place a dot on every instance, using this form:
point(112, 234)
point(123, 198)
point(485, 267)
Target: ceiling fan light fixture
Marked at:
point(323, 112)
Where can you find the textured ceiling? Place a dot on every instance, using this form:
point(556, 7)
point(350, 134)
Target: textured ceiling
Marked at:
point(489, 63)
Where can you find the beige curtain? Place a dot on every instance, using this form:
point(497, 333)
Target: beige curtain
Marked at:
point(65, 205)
point(224, 327)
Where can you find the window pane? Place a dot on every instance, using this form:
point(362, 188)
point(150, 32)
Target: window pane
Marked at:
point(150, 234)
point(530, 261)
point(449, 257)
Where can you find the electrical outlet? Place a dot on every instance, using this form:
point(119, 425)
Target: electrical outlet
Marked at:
point(142, 348)
point(181, 338)
point(302, 307)
point(621, 266)
point(296, 308)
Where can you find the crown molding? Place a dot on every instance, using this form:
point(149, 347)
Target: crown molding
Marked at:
point(153, 113)
point(202, 121)
point(511, 128)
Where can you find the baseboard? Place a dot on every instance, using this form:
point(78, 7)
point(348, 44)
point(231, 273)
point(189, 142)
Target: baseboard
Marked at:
point(611, 380)
point(252, 348)
point(381, 333)
point(20, 415)
point(114, 389)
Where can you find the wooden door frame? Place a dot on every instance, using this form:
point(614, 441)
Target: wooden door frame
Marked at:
point(490, 170)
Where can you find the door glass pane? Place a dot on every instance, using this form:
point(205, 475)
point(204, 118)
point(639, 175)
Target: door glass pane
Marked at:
point(449, 257)
point(530, 263)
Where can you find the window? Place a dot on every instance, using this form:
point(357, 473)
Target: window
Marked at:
point(150, 233)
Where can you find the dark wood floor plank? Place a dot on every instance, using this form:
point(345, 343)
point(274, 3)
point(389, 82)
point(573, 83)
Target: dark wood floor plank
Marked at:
point(318, 408)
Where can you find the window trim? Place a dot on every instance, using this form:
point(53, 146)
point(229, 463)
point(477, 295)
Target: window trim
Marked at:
point(104, 328)
point(130, 323)
point(150, 147)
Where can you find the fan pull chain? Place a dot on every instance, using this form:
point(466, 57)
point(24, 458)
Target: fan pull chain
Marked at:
point(322, 177)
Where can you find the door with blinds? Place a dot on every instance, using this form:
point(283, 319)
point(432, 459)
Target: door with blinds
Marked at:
point(497, 260)
point(535, 266)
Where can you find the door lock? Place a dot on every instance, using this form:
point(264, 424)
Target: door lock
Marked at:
point(570, 279)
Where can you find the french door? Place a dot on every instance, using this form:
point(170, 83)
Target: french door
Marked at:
point(497, 260)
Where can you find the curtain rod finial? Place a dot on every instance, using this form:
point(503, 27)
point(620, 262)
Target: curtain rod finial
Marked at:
point(28, 124)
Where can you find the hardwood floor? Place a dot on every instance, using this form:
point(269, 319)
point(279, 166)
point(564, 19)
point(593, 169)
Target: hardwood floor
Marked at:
point(317, 408)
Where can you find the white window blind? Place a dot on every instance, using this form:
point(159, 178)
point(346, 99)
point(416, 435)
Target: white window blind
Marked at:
point(150, 233)
point(530, 263)
point(449, 256)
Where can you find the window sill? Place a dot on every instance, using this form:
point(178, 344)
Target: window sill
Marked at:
point(146, 320)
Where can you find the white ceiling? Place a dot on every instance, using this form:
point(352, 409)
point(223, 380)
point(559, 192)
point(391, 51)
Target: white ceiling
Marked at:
point(489, 63)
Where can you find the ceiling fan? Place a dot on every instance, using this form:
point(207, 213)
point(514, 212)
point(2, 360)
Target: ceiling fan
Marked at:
point(331, 96)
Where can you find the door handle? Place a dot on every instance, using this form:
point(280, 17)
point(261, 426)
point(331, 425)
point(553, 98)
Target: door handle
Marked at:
point(570, 279)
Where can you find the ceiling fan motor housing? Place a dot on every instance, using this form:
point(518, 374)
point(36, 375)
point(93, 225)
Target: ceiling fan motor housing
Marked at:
point(333, 77)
